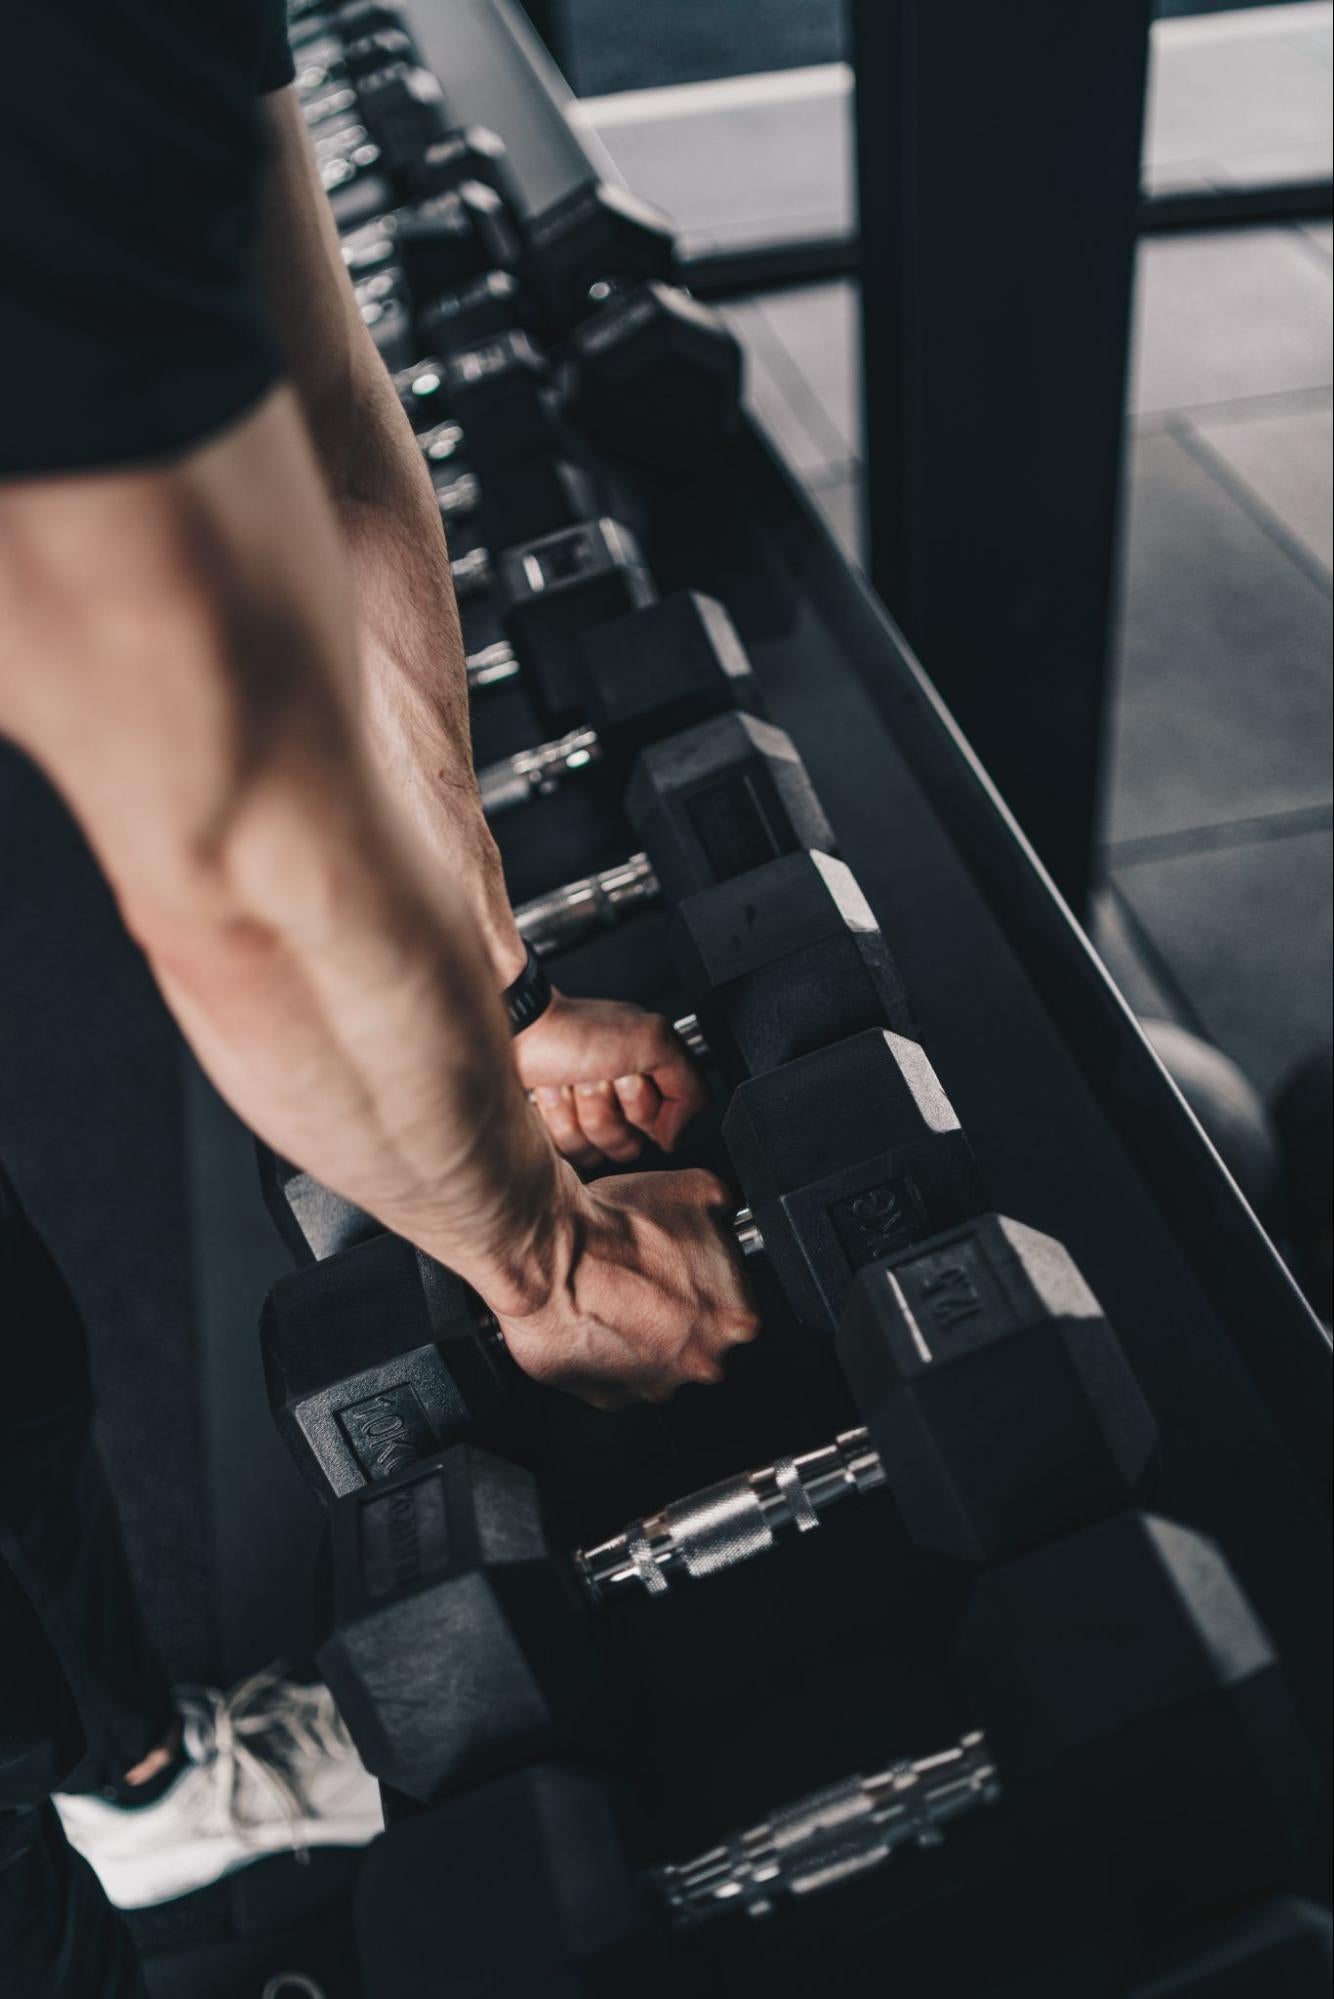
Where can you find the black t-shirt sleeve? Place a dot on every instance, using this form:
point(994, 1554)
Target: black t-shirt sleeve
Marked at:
point(130, 325)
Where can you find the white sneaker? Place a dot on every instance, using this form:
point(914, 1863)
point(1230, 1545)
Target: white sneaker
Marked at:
point(270, 1769)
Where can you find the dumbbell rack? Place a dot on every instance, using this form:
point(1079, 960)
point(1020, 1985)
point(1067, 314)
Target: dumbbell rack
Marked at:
point(1076, 1129)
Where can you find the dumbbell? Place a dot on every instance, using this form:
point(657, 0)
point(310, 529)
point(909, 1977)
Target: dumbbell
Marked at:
point(646, 674)
point(788, 958)
point(385, 1354)
point(547, 592)
point(999, 1412)
point(504, 421)
point(325, 63)
point(376, 1357)
point(654, 377)
point(1128, 1708)
point(708, 803)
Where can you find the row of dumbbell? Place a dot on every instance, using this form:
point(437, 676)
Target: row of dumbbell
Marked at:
point(1131, 1708)
point(459, 257)
point(446, 1734)
point(1001, 1415)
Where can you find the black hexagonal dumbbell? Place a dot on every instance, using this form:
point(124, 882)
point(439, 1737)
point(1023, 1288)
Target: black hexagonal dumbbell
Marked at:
point(1000, 1411)
point(313, 1377)
point(376, 1357)
point(1129, 1708)
point(844, 1156)
point(634, 679)
point(708, 803)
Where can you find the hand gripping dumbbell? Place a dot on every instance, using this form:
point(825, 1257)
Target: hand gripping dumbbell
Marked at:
point(1127, 1707)
point(647, 674)
point(376, 1357)
point(388, 1352)
point(999, 1412)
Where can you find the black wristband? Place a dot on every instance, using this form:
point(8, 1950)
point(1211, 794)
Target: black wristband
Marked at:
point(529, 996)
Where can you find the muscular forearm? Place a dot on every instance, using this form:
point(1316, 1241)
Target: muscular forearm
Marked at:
point(414, 681)
point(196, 704)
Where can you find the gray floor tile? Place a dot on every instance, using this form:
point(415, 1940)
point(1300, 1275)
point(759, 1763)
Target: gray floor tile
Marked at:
point(754, 171)
point(1221, 708)
point(1220, 316)
point(1287, 463)
point(779, 396)
point(1315, 43)
point(1213, 96)
point(1247, 933)
point(841, 503)
point(1306, 159)
point(818, 328)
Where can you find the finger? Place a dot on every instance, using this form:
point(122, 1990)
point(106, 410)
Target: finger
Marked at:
point(682, 1090)
point(640, 1101)
point(702, 1369)
point(603, 1124)
point(561, 1119)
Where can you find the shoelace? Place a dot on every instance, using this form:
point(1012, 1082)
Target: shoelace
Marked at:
point(265, 1713)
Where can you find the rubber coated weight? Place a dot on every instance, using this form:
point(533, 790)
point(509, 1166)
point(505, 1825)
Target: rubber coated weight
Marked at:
point(845, 1156)
point(783, 959)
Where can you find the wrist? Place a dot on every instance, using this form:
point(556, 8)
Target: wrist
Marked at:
point(523, 1277)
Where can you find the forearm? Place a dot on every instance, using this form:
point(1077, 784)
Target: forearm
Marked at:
point(415, 690)
point(196, 705)
point(415, 694)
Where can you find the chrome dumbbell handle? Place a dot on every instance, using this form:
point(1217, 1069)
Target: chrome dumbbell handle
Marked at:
point(338, 170)
point(579, 909)
point(830, 1836)
point(472, 572)
point(341, 141)
point(368, 251)
point(492, 666)
point(459, 498)
point(440, 443)
point(332, 102)
point(533, 773)
point(733, 1521)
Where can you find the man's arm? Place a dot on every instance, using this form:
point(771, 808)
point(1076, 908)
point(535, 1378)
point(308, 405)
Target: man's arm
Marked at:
point(179, 658)
point(603, 1071)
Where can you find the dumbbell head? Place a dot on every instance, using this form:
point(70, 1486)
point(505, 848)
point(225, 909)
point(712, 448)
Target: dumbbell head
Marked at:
point(403, 109)
point(452, 239)
point(658, 376)
point(996, 1393)
point(784, 959)
point(374, 1359)
point(313, 1221)
point(1135, 1706)
point(660, 669)
point(470, 152)
point(552, 590)
point(725, 796)
point(522, 1887)
point(845, 1156)
point(475, 313)
point(461, 1642)
point(590, 242)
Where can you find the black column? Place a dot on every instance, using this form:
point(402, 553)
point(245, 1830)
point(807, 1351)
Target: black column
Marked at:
point(998, 159)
